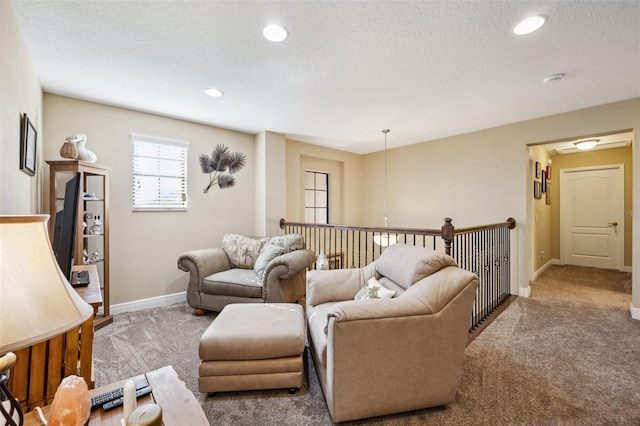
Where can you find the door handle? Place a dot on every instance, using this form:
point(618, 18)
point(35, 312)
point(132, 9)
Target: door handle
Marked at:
point(615, 226)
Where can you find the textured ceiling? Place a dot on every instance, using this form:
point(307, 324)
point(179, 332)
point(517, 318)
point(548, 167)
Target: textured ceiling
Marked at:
point(425, 70)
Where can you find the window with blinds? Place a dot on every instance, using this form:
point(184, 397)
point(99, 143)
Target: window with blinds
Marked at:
point(159, 174)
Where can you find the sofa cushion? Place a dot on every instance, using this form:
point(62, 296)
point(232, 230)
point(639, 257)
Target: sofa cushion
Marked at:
point(243, 251)
point(233, 282)
point(388, 284)
point(269, 252)
point(405, 264)
point(288, 242)
point(335, 285)
point(435, 292)
point(374, 290)
point(317, 320)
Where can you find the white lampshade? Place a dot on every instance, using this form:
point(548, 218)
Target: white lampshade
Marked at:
point(385, 239)
point(36, 301)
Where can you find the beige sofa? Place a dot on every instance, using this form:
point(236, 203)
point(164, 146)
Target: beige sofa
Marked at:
point(246, 270)
point(384, 356)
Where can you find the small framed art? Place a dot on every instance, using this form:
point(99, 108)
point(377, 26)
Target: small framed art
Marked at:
point(538, 170)
point(548, 173)
point(28, 143)
point(548, 194)
point(537, 190)
point(544, 182)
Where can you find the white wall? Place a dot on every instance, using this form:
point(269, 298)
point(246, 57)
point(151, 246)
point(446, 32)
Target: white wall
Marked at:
point(260, 183)
point(270, 183)
point(20, 93)
point(145, 245)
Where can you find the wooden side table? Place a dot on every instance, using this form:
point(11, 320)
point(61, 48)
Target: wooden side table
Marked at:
point(179, 405)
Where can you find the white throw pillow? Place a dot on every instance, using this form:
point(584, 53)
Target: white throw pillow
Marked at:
point(270, 252)
point(289, 242)
point(243, 251)
point(374, 290)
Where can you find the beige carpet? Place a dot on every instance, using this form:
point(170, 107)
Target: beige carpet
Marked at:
point(568, 355)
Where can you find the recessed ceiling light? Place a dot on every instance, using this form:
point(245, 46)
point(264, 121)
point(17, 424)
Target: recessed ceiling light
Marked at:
point(274, 33)
point(530, 24)
point(214, 93)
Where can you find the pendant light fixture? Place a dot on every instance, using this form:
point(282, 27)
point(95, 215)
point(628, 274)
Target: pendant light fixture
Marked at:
point(384, 239)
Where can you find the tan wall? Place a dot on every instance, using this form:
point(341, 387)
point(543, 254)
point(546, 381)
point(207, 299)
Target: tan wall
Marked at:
point(345, 175)
point(595, 158)
point(20, 93)
point(465, 177)
point(145, 245)
point(483, 177)
point(542, 219)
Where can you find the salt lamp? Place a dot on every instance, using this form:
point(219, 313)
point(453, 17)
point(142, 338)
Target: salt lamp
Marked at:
point(71, 404)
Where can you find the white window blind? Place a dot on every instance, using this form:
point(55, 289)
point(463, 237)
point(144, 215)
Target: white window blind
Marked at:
point(159, 174)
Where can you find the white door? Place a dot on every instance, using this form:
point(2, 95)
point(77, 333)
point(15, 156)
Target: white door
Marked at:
point(592, 216)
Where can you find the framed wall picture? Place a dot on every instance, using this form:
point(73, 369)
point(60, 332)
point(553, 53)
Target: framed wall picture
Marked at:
point(537, 190)
point(538, 169)
point(28, 143)
point(548, 173)
point(548, 194)
point(544, 182)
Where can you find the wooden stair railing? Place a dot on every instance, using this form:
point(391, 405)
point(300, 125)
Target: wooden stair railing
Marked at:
point(483, 250)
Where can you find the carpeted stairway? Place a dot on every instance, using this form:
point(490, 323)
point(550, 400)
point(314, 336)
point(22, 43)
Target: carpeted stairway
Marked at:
point(568, 355)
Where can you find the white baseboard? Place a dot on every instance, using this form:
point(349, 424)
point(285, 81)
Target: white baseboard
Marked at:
point(635, 312)
point(150, 303)
point(525, 291)
point(627, 269)
point(544, 267)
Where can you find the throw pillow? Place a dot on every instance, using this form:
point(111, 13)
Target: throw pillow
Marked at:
point(242, 251)
point(289, 242)
point(270, 252)
point(374, 290)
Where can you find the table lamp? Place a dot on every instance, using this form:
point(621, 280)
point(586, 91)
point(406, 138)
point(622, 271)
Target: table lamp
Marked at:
point(37, 303)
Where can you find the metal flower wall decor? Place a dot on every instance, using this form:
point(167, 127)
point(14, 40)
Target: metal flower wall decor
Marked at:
point(221, 161)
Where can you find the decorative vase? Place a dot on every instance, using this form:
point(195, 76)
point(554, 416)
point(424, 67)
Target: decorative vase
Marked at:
point(69, 150)
point(321, 262)
point(83, 153)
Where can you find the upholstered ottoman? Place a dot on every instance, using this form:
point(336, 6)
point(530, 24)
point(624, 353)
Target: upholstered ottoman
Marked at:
point(253, 346)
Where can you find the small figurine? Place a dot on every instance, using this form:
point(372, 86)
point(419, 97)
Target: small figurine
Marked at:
point(321, 262)
point(96, 228)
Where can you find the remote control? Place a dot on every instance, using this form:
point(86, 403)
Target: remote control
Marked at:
point(99, 400)
point(119, 401)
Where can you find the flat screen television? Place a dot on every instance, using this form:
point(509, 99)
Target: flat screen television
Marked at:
point(64, 235)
